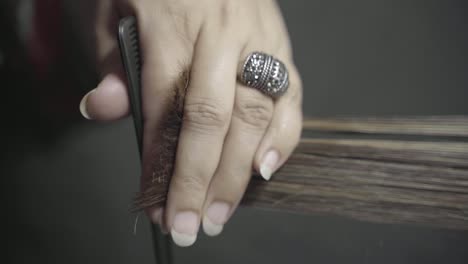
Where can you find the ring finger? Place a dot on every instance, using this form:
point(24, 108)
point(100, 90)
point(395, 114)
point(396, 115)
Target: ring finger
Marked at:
point(251, 116)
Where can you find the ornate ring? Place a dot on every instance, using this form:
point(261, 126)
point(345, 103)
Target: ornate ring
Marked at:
point(265, 73)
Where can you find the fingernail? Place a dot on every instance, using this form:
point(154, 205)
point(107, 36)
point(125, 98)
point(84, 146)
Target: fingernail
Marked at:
point(83, 105)
point(215, 218)
point(157, 218)
point(156, 215)
point(268, 166)
point(185, 228)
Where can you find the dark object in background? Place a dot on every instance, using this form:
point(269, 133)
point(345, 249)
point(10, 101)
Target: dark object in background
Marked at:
point(39, 104)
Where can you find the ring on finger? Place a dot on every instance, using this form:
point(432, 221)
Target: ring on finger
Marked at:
point(265, 73)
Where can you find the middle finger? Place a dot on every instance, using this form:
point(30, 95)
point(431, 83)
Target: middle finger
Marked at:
point(207, 113)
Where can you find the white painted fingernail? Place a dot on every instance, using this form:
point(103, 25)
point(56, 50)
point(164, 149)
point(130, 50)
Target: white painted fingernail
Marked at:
point(83, 105)
point(156, 216)
point(183, 240)
point(210, 228)
point(185, 228)
point(269, 164)
point(215, 218)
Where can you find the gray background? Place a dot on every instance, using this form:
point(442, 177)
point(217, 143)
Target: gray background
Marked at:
point(67, 195)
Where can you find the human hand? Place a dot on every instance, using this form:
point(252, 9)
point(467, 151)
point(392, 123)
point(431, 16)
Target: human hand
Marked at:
point(228, 129)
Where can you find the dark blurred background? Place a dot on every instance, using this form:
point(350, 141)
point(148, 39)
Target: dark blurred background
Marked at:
point(68, 183)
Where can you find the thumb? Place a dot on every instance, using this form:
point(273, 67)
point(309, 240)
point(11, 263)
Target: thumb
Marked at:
point(108, 101)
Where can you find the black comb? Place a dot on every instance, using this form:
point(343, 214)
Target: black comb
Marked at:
point(130, 52)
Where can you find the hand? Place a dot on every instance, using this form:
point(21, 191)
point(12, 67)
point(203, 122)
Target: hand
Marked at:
point(228, 129)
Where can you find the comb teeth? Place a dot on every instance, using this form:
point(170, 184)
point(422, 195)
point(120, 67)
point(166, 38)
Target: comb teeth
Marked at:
point(135, 48)
point(130, 52)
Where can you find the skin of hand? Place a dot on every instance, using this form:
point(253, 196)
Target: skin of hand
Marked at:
point(228, 129)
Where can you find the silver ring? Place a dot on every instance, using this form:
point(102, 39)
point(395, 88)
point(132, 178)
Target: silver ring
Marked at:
point(265, 73)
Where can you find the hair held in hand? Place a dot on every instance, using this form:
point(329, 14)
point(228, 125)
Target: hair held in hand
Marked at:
point(164, 151)
point(373, 179)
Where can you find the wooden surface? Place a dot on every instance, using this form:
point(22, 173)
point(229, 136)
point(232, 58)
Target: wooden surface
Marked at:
point(418, 126)
point(352, 169)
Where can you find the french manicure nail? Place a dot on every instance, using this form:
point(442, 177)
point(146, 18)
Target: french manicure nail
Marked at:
point(269, 163)
point(83, 105)
point(215, 217)
point(157, 218)
point(156, 215)
point(185, 228)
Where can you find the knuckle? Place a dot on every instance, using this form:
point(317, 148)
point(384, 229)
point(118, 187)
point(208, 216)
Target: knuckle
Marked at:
point(230, 186)
point(237, 186)
point(297, 91)
point(254, 112)
point(205, 115)
point(295, 97)
point(224, 17)
point(229, 11)
point(193, 183)
point(293, 130)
